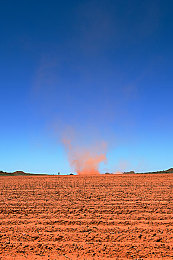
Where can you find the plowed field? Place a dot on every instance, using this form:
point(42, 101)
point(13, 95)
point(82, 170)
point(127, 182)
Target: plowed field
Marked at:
point(74, 217)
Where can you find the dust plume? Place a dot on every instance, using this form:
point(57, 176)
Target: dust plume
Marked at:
point(85, 160)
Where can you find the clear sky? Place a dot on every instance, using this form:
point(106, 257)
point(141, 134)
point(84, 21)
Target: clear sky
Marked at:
point(103, 68)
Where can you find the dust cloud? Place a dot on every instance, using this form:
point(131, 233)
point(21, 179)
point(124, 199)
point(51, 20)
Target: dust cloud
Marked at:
point(84, 160)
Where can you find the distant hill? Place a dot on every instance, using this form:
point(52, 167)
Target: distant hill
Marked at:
point(17, 173)
point(157, 172)
point(130, 172)
point(22, 173)
point(170, 170)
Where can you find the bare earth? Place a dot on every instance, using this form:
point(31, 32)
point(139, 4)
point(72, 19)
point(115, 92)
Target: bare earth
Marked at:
point(99, 217)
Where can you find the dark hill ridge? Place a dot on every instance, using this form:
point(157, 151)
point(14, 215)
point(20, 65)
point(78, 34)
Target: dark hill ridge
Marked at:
point(21, 173)
point(170, 170)
point(157, 172)
point(18, 173)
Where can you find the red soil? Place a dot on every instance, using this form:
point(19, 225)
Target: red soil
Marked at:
point(80, 217)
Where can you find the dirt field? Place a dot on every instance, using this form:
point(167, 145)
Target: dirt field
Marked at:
point(73, 217)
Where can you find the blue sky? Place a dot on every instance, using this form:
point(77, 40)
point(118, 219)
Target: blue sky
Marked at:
point(102, 68)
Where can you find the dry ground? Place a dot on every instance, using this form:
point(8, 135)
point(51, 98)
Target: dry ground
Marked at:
point(73, 217)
